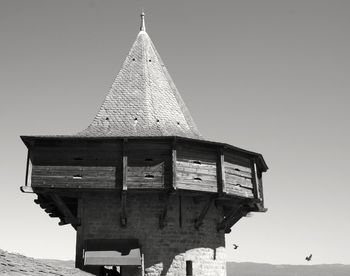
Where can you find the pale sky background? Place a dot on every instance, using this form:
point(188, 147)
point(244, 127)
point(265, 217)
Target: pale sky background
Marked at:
point(267, 76)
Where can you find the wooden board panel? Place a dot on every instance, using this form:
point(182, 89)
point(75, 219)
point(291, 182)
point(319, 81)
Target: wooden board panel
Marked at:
point(196, 175)
point(234, 158)
point(237, 180)
point(189, 152)
point(239, 191)
point(73, 176)
point(94, 155)
point(146, 177)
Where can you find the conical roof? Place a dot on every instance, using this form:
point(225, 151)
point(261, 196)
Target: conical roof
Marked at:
point(143, 100)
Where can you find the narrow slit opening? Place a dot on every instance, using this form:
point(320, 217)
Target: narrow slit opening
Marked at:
point(77, 176)
point(197, 162)
point(149, 176)
point(197, 178)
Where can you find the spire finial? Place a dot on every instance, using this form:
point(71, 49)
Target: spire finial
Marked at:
point(143, 26)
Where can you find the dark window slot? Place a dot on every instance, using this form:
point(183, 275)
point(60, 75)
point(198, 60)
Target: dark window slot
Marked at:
point(78, 159)
point(77, 176)
point(149, 176)
point(148, 159)
point(197, 162)
point(197, 179)
point(189, 271)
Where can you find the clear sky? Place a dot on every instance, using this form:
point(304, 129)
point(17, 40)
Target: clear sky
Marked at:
point(268, 76)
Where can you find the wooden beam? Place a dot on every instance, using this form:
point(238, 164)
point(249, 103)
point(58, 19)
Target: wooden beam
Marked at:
point(173, 164)
point(66, 212)
point(233, 216)
point(220, 164)
point(199, 221)
point(125, 164)
point(255, 181)
point(29, 167)
point(163, 215)
point(123, 217)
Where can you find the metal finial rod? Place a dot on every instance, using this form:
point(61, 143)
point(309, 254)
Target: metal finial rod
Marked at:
point(143, 26)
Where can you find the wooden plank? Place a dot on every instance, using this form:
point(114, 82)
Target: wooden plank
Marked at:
point(195, 163)
point(238, 167)
point(70, 171)
point(237, 180)
point(65, 182)
point(238, 173)
point(239, 191)
point(189, 185)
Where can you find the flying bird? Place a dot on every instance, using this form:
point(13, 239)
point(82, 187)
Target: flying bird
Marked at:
point(235, 246)
point(308, 258)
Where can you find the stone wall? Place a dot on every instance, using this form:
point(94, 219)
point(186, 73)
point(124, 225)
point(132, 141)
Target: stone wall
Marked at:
point(165, 250)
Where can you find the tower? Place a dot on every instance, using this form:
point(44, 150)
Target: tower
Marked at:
point(143, 189)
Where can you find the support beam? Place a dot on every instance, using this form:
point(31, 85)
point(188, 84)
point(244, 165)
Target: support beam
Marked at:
point(66, 212)
point(28, 180)
point(173, 164)
point(123, 217)
point(255, 181)
point(125, 164)
point(163, 215)
point(220, 165)
point(199, 221)
point(231, 219)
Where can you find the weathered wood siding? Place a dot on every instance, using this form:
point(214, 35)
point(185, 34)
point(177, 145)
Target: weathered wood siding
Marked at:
point(238, 180)
point(82, 165)
point(73, 176)
point(196, 169)
point(149, 164)
point(147, 177)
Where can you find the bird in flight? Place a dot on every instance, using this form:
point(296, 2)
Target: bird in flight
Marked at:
point(235, 246)
point(308, 258)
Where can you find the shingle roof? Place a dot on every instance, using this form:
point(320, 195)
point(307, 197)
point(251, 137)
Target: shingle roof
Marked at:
point(143, 100)
point(15, 265)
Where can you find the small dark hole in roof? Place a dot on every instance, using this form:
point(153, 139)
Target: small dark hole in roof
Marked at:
point(149, 60)
point(133, 59)
point(107, 118)
point(157, 120)
point(178, 123)
point(135, 119)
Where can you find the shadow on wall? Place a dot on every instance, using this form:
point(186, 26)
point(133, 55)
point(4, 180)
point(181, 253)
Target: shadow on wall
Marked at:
point(202, 261)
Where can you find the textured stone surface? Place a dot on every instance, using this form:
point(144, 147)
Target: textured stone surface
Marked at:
point(16, 264)
point(143, 100)
point(166, 250)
